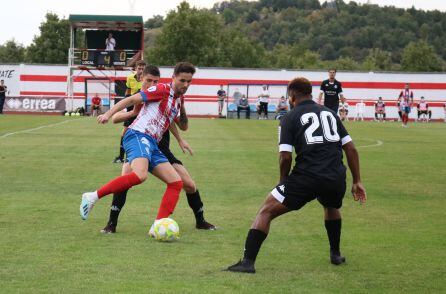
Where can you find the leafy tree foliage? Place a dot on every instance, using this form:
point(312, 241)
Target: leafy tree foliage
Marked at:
point(51, 46)
point(11, 52)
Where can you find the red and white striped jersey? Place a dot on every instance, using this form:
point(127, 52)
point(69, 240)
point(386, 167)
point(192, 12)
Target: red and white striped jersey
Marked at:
point(160, 108)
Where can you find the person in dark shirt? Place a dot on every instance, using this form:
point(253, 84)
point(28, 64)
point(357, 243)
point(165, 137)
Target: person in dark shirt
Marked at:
point(331, 89)
point(221, 96)
point(3, 90)
point(318, 138)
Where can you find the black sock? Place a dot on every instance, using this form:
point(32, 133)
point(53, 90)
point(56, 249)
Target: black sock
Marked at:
point(253, 242)
point(195, 203)
point(117, 204)
point(121, 151)
point(333, 228)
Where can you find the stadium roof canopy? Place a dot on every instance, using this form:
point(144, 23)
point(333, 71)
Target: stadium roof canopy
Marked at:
point(106, 22)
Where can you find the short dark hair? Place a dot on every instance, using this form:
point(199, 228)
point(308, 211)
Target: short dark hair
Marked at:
point(185, 67)
point(140, 62)
point(332, 68)
point(299, 85)
point(151, 70)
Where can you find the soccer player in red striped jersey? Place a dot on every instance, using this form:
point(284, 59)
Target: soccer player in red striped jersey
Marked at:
point(406, 101)
point(161, 105)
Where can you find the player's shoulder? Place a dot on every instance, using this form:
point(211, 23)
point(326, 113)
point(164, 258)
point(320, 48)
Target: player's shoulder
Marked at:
point(337, 82)
point(131, 76)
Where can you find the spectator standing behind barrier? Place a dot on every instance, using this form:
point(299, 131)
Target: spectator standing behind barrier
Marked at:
point(282, 108)
point(221, 96)
point(423, 109)
point(331, 89)
point(243, 104)
point(263, 102)
point(360, 108)
point(236, 96)
point(3, 89)
point(343, 111)
point(110, 43)
point(380, 110)
point(95, 105)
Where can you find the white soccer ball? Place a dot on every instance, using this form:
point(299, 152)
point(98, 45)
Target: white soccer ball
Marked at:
point(166, 230)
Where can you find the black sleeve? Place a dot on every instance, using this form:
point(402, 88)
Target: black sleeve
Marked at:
point(339, 88)
point(322, 86)
point(287, 131)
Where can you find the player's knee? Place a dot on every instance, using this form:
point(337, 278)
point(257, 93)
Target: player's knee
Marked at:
point(142, 175)
point(189, 186)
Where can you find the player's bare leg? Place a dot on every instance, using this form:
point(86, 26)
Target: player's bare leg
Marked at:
point(117, 204)
point(137, 176)
point(270, 209)
point(193, 198)
point(333, 222)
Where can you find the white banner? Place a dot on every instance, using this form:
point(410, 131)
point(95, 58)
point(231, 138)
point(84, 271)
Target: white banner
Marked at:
point(11, 75)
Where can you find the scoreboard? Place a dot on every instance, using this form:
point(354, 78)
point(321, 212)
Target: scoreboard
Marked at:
point(103, 58)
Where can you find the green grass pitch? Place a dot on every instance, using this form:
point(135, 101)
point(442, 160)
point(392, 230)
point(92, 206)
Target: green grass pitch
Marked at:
point(396, 243)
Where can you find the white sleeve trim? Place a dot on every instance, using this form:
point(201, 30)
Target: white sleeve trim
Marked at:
point(346, 139)
point(322, 91)
point(341, 93)
point(285, 147)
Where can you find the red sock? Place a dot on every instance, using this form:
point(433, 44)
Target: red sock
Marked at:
point(119, 184)
point(170, 199)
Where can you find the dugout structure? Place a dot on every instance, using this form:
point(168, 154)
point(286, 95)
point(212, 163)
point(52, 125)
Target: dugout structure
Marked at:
point(252, 91)
point(88, 58)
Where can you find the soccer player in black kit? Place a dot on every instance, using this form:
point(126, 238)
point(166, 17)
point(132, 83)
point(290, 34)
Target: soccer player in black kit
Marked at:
point(331, 89)
point(318, 138)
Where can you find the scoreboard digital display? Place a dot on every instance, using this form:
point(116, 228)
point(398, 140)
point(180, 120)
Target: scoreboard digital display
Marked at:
point(103, 58)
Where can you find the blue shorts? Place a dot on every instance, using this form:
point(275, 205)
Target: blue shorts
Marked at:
point(407, 109)
point(139, 145)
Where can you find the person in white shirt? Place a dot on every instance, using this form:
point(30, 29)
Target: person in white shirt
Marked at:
point(360, 108)
point(263, 103)
point(110, 42)
point(343, 110)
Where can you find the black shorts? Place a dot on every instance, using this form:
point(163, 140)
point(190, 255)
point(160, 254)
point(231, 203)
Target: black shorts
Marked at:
point(169, 155)
point(95, 107)
point(298, 189)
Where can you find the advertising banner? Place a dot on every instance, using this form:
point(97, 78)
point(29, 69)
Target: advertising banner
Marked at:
point(34, 104)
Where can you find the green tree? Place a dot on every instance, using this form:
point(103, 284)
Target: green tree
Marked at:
point(377, 60)
point(420, 56)
point(188, 34)
point(51, 46)
point(11, 52)
point(154, 22)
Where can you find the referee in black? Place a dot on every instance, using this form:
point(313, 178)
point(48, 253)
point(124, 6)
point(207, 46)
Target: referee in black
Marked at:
point(318, 138)
point(332, 90)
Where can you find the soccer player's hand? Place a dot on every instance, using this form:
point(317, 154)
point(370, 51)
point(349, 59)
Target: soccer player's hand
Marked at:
point(358, 192)
point(103, 118)
point(186, 147)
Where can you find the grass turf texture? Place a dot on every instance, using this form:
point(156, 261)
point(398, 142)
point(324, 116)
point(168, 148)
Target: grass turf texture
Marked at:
point(394, 243)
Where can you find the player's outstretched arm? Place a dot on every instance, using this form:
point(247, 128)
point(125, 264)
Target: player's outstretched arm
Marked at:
point(126, 102)
point(183, 144)
point(319, 99)
point(285, 161)
point(123, 116)
point(358, 190)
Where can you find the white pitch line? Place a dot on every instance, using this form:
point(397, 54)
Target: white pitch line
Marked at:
point(378, 143)
point(35, 129)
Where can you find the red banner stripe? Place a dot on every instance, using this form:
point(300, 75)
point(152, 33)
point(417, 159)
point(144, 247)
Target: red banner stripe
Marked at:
point(216, 82)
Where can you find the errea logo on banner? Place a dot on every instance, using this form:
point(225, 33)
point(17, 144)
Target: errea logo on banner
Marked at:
point(14, 103)
point(32, 104)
